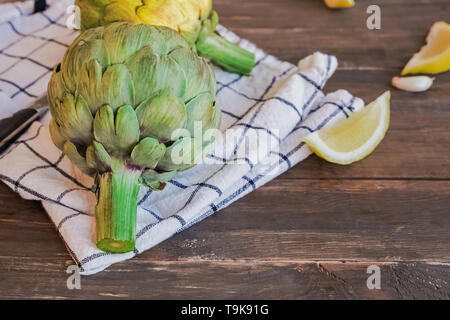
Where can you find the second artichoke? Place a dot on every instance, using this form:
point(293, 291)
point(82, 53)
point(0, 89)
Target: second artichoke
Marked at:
point(193, 19)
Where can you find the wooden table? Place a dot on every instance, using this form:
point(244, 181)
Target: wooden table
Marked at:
point(312, 232)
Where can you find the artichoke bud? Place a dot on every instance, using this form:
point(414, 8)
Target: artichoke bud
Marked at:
point(117, 100)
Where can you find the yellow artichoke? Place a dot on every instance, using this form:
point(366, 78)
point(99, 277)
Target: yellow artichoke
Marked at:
point(193, 19)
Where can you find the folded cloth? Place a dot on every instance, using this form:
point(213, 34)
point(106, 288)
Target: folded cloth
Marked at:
point(263, 118)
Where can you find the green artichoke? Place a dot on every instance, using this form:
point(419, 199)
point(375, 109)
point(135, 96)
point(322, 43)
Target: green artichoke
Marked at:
point(117, 99)
point(193, 19)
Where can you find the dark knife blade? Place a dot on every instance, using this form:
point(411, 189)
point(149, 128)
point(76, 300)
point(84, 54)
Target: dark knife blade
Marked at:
point(13, 127)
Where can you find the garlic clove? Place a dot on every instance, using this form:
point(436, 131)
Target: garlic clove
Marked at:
point(413, 84)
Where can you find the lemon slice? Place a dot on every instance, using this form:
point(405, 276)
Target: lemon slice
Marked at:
point(353, 138)
point(434, 57)
point(339, 3)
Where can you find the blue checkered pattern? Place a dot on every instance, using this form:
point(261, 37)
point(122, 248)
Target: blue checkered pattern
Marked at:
point(280, 103)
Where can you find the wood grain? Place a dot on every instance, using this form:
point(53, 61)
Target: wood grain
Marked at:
point(144, 279)
point(312, 232)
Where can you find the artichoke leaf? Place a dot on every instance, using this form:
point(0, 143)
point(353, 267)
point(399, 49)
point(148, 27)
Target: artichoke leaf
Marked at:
point(56, 87)
point(208, 26)
point(74, 118)
point(121, 11)
point(55, 133)
point(199, 76)
point(90, 84)
point(183, 154)
point(104, 130)
point(172, 42)
point(157, 180)
point(117, 136)
point(153, 72)
point(127, 129)
point(91, 16)
point(70, 150)
point(147, 153)
point(142, 66)
point(117, 86)
point(160, 115)
point(98, 158)
point(201, 109)
point(80, 53)
point(124, 40)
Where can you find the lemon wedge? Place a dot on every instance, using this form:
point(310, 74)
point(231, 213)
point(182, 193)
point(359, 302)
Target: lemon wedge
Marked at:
point(339, 3)
point(434, 57)
point(353, 138)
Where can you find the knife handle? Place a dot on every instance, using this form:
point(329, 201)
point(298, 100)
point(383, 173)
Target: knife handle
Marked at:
point(11, 128)
point(39, 5)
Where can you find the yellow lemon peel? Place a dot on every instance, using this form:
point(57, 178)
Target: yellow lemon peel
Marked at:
point(339, 3)
point(354, 138)
point(434, 57)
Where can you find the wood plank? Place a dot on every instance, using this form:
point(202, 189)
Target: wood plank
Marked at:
point(309, 220)
point(327, 220)
point(196, 279)
point(289, 30)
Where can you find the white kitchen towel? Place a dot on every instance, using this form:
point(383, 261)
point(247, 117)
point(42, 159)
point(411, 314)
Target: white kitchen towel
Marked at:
point(263, 118)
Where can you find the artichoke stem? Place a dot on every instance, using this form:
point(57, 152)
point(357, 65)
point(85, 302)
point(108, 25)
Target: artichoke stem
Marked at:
point(229, 56)
point(116, 209)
